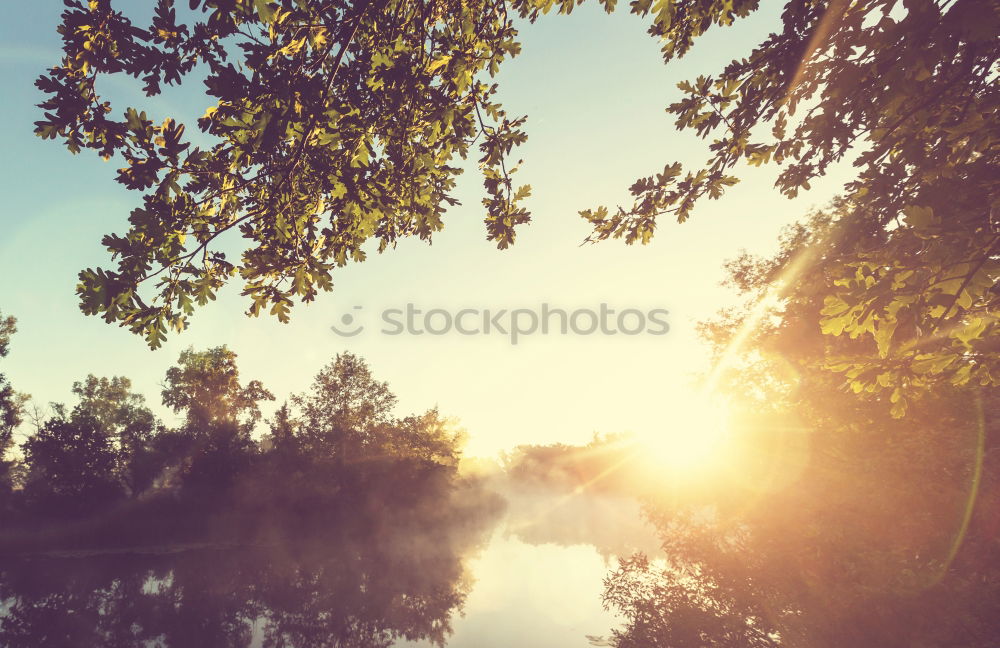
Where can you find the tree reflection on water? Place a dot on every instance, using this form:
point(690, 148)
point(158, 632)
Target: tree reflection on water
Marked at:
point(382, 562)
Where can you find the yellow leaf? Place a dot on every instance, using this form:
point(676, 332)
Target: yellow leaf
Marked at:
point(437, 63)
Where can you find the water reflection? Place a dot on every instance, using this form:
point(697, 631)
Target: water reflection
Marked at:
point(375, 567)
point(412, 557)
point(344, 525)
point(613, 525)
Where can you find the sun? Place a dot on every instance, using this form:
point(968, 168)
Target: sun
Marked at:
point(694, 438)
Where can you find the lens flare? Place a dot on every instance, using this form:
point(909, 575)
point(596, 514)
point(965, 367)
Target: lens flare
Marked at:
point(695, 438)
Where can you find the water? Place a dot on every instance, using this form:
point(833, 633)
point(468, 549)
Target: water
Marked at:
point(462, 569)
point(539, 580)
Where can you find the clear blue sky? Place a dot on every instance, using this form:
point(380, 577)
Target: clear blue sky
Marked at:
point(594, 88)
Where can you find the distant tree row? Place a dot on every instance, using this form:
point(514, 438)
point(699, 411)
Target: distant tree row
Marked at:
point(607, 464)
point(108, 450)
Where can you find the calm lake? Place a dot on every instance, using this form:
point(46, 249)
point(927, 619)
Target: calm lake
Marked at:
point(524, 568)
point(539, 578)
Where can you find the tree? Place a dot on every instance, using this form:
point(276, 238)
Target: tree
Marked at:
point(849, 528)
point(11, 408)
point(341, 123)
point(346, 410)
point(677, 608)
point(907, 93)
point(608, 464)
point(123, 417)
point(839, 523)
point(205, 386)
point(71, 465)
point(429, 437)
point(908, 85)
point(907, 336)
point(283, 432)
point(348, 414)
point(214, 445)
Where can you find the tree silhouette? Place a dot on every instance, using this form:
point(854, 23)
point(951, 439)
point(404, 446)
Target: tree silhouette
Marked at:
point(123, 418)
point(107, 472)
point(71, 466)
point(345, 408)
point(224, 541)
point(11, 412)
point(840, 524)
point(373, 568)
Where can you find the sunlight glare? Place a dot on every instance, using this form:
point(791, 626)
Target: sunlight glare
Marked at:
point(694, 439)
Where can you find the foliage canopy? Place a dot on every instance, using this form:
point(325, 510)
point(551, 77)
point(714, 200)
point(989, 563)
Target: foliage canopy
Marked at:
point(907, 92)
point(337, 123)
point(835, 523)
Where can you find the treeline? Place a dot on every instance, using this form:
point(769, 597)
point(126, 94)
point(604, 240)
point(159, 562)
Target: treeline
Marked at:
point(368, 559)
point(609, 464)
point(341, 524)
point(106, 461)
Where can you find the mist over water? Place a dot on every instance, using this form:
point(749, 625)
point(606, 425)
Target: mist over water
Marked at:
point(415, 558)
point(539, 580)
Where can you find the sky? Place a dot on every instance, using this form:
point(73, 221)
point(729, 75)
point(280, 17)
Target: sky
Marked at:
point(594, 88)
